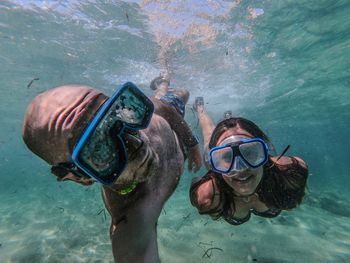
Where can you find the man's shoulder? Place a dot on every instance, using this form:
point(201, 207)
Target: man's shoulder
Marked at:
point(158, 124)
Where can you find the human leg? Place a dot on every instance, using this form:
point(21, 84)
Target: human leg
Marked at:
point(205, 122)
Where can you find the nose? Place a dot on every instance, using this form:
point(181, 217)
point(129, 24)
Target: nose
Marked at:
point(239, 164)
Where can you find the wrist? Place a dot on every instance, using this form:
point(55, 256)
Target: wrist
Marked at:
point(193, 142)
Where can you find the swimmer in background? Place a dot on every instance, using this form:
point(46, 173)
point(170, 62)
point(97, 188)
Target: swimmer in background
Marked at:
point(170, 104)
point(244, 175)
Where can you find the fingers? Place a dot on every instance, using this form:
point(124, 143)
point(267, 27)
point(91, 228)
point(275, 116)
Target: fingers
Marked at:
point(190, 164)
point(199, 164)
point(87, 182)
point(79, 180)
point(194, 165)
point(194, 159)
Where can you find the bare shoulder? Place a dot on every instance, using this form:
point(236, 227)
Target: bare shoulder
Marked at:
point(205, 194)
point(157, 122)
point(158, 129)
point(164, 141)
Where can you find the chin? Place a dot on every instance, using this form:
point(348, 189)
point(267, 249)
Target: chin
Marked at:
point(243, 191)
point(243, 187)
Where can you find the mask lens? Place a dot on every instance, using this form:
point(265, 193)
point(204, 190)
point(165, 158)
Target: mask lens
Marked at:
point(103, 153)
point(253, 152)
point(132, 107)
point(222, 158)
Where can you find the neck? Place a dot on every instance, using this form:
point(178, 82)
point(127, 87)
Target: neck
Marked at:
point(246, 198)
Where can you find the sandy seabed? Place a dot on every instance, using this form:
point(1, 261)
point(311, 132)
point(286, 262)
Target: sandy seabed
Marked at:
point(63, 222)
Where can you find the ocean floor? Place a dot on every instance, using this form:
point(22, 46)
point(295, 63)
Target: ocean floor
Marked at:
point(64, 222)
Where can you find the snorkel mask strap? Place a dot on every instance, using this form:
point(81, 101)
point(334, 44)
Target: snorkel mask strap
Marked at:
point(282, 154)
point(284, 151)
point(62, 169)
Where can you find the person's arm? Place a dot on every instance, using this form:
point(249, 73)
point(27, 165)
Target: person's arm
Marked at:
point(135, 214)
point(133, 240)
point(182, 130)
point(176, 122)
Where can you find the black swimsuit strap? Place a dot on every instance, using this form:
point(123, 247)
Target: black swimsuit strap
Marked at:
point(236, 221)
point(270, 213)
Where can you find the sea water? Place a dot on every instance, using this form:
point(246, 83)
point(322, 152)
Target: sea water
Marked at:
point(283, 64)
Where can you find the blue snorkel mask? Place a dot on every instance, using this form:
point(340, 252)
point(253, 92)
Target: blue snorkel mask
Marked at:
point(101, 153)
point(238, 153)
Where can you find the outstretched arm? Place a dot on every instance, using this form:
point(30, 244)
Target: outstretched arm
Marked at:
point(133, 228)
point(157, 170)
point(182, 130)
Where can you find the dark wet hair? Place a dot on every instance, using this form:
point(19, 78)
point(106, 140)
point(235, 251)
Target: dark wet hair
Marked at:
point(283, 186)
point(233, 122)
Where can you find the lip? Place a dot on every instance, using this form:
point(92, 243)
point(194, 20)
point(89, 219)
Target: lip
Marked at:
point(243, 178)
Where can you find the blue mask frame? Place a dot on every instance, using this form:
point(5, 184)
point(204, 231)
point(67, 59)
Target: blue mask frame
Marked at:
point(236, 153)
point(123, 126)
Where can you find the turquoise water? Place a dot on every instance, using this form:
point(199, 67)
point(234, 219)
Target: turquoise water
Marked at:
point(283, 64)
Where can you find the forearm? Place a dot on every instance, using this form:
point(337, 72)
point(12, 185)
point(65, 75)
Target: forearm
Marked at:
point(133, 240)
point(176, 122)
point(130, 244)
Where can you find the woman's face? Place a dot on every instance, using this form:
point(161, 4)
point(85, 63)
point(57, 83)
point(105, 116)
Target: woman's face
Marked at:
point(243, 182)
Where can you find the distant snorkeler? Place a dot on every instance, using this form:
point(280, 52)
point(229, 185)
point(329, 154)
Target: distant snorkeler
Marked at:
point(118, 141)
point(170, 104)
point(243, 175)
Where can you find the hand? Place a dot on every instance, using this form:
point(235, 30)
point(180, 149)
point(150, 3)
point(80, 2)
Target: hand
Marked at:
point(194, 158)
point(79, 180)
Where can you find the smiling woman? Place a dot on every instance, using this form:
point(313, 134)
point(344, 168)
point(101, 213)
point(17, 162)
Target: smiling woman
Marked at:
point(243, 176)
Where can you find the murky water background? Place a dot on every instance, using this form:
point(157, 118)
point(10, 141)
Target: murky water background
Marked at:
point(283, 64)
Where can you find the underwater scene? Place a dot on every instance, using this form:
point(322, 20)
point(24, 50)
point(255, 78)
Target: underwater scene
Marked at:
point(282, 64)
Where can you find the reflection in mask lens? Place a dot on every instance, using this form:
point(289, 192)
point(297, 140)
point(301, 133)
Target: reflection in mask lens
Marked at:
point(222, 158)
point(252, 152)
point(129, 108)
point(101, 151)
